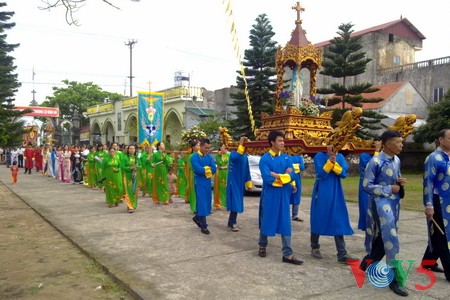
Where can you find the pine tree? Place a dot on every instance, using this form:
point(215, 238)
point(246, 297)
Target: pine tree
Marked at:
point(259, 66)
point(343, 59)
point(11, 128)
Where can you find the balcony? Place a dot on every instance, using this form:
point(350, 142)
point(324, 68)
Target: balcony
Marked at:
point(182, 92)
point(100, 108)
point(129, 103)
point(175, 93)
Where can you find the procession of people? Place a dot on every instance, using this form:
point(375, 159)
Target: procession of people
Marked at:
point(122, 171)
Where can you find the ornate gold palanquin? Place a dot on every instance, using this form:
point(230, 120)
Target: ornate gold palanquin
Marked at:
point(307, 134)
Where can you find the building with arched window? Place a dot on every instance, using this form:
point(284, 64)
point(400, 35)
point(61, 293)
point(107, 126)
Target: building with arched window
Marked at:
point(184, 106)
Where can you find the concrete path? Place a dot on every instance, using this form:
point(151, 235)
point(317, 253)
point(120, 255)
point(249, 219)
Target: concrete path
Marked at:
point(159, 253)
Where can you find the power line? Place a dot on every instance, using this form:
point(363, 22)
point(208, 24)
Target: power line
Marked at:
point(34, 28)
point(60, 83)
point(25, 70)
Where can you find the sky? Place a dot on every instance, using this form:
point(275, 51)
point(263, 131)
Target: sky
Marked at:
point(183, 35)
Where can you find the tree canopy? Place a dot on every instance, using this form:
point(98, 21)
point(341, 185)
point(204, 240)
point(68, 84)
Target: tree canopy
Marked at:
point(438, 119)
point(211, 128)
point(76, 97)
point(260, 74)
point(11, 128)
point(343, 58)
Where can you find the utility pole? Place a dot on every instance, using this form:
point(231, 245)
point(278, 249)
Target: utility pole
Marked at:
point(130, 44)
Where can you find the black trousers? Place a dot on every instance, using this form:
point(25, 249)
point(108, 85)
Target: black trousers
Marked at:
point(377, 252)
point(20, 161)
point(438, 240)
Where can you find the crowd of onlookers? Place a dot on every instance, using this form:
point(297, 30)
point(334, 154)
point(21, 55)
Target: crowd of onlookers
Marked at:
point(150, 170)
point(61, 162)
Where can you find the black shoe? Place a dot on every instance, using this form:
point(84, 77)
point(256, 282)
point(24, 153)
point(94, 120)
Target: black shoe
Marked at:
point(292, 260)
point(435, 268)
point(205, 231)
point(344, 259)
point(316, 253)
point(196, 222)
point(262, 252)
point(398, 290)
point(363, 266)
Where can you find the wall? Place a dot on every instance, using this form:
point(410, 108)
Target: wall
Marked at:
point(425, 76)
point(177, 99)
point(223, 101)
point(406, 100)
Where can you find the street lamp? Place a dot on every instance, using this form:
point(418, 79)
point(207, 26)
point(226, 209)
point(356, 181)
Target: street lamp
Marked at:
point(75, 127)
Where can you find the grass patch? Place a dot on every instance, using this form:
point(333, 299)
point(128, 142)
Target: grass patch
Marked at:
point(413, 190)
point(35, 289)
point(97, 272)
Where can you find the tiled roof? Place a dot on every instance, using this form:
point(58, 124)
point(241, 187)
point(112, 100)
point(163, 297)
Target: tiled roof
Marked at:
point(386, 92)
point(200, 111)
point(397, 27)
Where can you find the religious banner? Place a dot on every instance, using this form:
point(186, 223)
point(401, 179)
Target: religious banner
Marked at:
point(150, 118)
point(30, 136)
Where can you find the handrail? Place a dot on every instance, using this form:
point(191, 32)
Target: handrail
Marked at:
point(99, 108)
point(179, 92)
point(129, 102)
point(418, 65)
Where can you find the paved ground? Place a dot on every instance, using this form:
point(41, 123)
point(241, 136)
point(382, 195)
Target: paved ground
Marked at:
point(38, 262)
point(159, 253)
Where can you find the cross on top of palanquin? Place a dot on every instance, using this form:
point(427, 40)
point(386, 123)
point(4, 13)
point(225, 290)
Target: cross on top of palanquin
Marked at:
point(299, 9)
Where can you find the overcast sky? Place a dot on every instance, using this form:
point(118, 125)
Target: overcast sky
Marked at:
point(188, 35)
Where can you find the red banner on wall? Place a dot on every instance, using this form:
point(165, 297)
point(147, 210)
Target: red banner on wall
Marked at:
point(40, 111)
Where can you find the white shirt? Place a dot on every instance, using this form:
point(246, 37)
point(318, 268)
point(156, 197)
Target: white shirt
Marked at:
point(14, 154)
